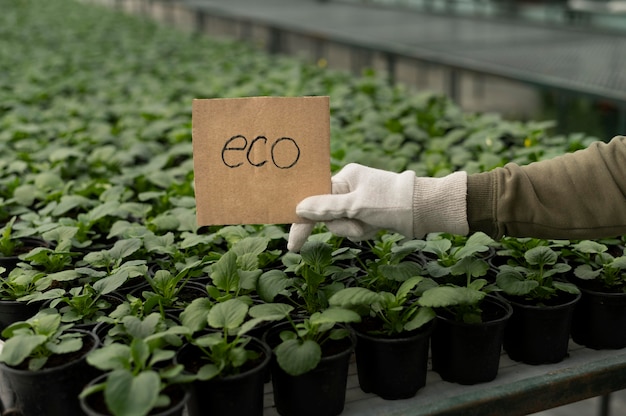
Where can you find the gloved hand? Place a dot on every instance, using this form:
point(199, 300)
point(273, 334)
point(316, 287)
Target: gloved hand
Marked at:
point(365, 200)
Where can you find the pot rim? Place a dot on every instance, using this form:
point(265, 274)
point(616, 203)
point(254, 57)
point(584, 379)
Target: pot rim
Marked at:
point(574, 300)
point(602, 293)
point(508, 312)
point(84, 400)
point(9, 369)
point(421, 332)
point(20, 302)
point(347, 350)
point(263, 364)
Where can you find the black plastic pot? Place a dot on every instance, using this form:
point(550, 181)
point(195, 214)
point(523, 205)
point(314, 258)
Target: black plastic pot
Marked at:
point(600, 320)
point(470, 353)
point(13, 311)
point(94, 405)
point(28, 243)
point(393, 367)
point(50, 391)
point(319, 392)
point(239, 394)
point(539, 334)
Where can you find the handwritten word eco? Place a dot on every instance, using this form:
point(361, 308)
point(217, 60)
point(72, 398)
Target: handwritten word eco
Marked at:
point(234, 148)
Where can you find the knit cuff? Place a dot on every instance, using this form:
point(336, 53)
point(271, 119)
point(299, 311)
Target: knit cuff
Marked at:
point(440, 205)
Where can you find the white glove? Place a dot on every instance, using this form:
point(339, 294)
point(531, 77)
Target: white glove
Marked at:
point(365, 200)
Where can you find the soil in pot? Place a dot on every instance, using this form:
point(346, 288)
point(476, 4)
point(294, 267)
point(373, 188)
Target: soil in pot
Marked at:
point(238, 394)
point(599, 320)
point(470, 353)
point(53, 390)
point(539, 334)
point(319, 392)
point(392, 367)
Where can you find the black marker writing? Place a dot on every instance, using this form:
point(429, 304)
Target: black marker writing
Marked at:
point(236, 145)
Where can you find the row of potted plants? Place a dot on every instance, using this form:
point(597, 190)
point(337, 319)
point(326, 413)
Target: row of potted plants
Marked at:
point(386, 300)
point(98, 232)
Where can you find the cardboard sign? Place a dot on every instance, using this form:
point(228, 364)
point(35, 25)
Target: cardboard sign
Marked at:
point(256, 158)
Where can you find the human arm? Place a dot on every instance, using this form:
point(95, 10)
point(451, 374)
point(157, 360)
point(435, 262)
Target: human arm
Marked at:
point(365, 200)
point(578, 195)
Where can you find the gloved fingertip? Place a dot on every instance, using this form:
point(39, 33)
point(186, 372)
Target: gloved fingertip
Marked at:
point(298, 234)
point(294, 248)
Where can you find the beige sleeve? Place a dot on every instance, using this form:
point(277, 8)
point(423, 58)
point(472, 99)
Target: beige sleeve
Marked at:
point(439, 205)
point(579, 195)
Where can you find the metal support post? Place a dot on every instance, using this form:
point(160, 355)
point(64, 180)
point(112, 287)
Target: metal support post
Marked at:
point(453, 85)
point(390, 59)
point(605, 403)
point(274, 45)
point(200, 21)
point(621, 118)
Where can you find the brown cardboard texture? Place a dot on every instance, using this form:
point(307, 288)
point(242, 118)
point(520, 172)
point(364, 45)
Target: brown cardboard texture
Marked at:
point(256, 158)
